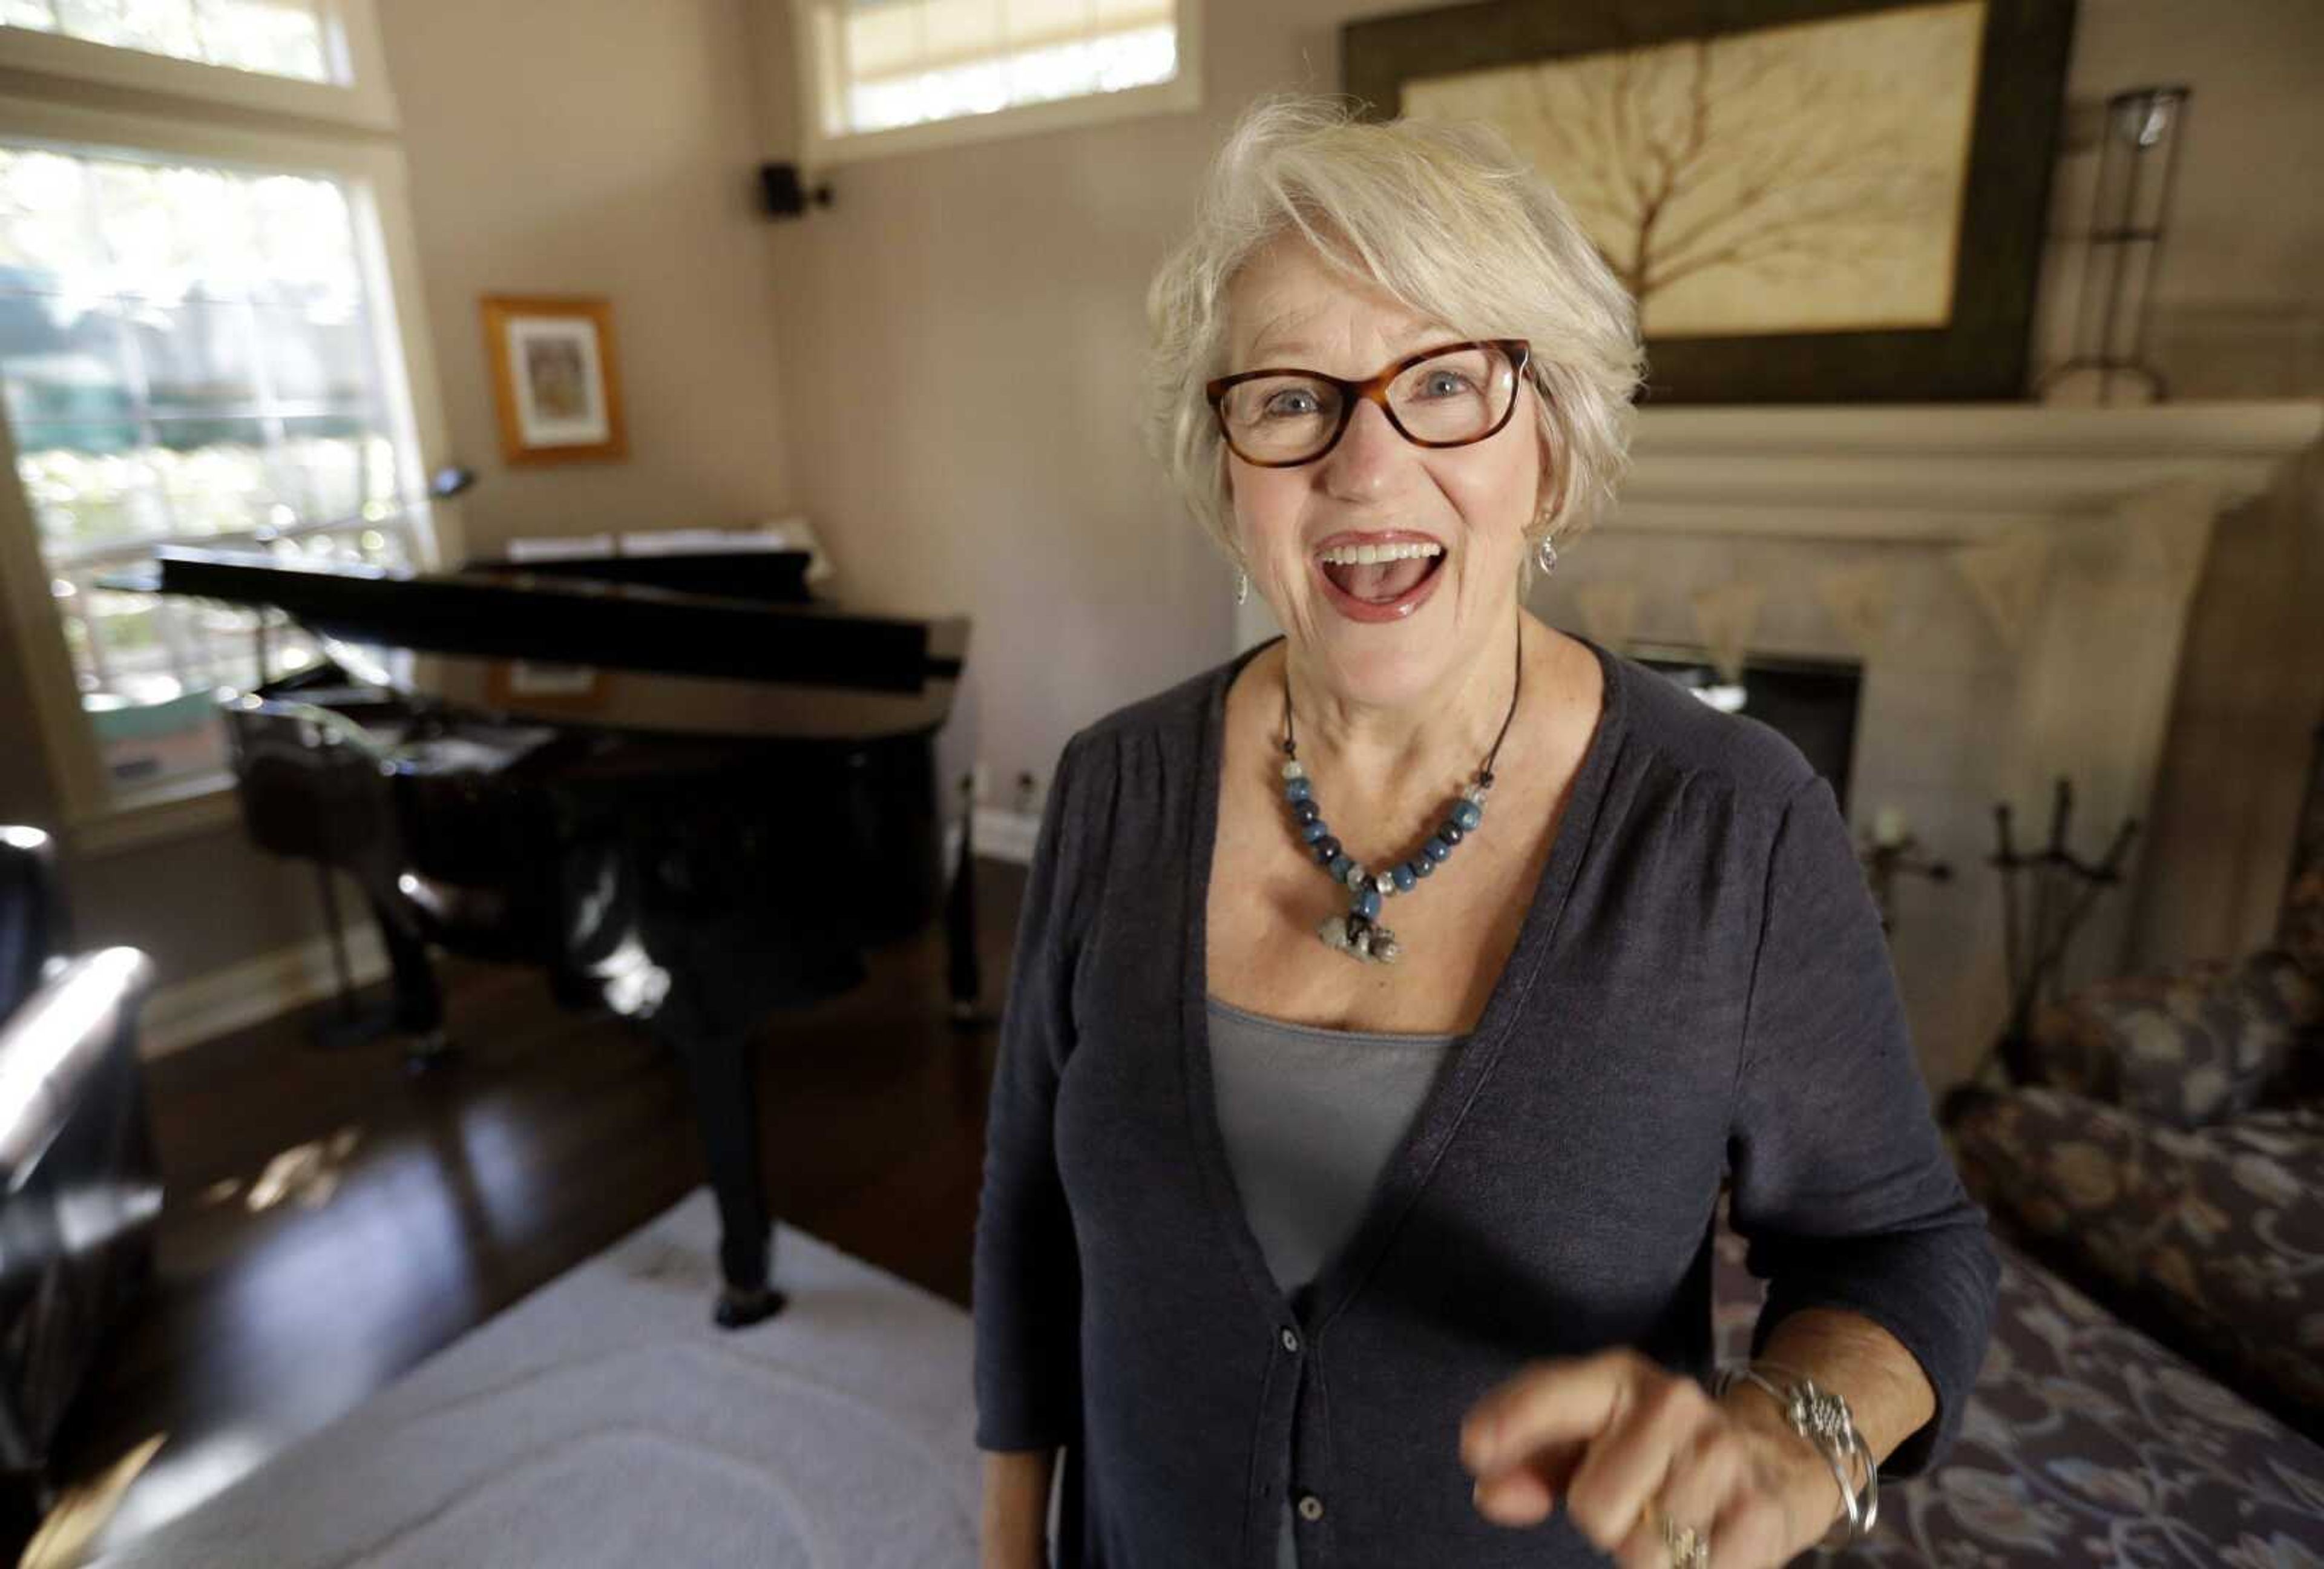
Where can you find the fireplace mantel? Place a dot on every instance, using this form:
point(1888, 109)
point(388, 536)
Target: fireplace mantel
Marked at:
point(1941, 472)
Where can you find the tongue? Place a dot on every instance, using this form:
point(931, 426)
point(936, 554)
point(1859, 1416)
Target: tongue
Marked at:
point(1381, 581)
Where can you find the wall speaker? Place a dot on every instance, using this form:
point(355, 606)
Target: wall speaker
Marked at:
point(786, 198)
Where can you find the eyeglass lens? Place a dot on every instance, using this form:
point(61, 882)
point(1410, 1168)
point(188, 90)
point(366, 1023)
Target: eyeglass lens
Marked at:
point(1459, 395)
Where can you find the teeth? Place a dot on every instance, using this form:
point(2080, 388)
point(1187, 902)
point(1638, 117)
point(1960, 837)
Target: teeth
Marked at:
point(1371, 555)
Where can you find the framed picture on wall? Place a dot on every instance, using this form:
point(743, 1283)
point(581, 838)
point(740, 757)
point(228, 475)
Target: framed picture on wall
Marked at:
point(1812, 200)
point(554, 378)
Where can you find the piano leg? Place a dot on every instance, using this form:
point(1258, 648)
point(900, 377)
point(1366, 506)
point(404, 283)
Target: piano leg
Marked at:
point(962, 975)
point(350, 1024)
point(723, 1068)
point(417, 1003)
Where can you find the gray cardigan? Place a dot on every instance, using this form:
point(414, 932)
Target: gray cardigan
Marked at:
point(1700, 987)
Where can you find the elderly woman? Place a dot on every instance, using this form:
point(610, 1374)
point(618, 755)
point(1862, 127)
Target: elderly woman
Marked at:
point(1393, 1003)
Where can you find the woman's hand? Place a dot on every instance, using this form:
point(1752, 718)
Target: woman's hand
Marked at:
point(1616, 1433)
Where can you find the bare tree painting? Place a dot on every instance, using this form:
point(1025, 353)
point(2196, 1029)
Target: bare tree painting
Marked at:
point(1796, 178)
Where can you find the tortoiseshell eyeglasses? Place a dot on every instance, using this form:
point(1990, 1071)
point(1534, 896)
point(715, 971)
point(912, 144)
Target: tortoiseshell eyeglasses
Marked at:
point(1446, 396)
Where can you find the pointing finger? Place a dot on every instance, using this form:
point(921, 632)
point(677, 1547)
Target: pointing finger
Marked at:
point(1550, 1402)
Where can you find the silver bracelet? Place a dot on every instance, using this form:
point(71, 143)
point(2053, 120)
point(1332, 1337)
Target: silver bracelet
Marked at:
point(1821, 1417)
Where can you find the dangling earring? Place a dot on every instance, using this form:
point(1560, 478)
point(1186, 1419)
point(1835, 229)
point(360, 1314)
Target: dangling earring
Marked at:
point(1547, 552)
point(1242, 588)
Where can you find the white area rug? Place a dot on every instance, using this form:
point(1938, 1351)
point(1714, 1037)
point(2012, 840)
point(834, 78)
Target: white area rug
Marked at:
point(605, 1420)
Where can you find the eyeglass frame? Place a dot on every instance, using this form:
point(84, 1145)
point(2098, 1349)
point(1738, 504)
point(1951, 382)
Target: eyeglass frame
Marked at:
point(1371, 390)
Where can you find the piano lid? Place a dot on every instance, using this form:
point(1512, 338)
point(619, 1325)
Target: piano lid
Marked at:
point(523, 616)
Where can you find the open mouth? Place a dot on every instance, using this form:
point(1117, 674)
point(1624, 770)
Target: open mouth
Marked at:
point(1380, 577)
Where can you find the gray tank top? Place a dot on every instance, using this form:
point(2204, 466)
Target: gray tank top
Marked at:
point(1309, 1117)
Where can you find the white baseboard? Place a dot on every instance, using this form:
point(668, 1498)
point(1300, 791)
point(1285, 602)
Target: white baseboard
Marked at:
point(1007, 835)
point(257, 989)
point(1003, 836)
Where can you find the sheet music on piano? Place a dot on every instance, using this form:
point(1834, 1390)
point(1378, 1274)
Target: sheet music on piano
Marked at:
point(791, 534)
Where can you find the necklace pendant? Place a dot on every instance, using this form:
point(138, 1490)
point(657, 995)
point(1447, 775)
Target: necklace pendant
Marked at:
point(1333, 931)
point(1360, 939)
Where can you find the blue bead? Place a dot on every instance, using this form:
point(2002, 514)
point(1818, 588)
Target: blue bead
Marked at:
point(1403, 876)
point(1305, 811)
point(1466, 814)
point(1325, 848)
point(1338, 867)
point(1365, 903)
point(1314, 831)
point(1450, 831)
point(1298, 790)
point(1422, 866)
point(1437, 849)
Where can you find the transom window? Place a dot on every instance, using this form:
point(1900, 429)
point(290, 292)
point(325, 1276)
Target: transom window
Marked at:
point(282, 38)
point(957, 70)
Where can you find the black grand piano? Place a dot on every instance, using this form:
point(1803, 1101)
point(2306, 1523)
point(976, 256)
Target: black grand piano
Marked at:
point(675, 784)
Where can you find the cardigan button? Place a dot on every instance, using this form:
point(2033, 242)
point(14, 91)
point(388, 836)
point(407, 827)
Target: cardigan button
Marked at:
point(1291, 1340)
point(1311, 1508)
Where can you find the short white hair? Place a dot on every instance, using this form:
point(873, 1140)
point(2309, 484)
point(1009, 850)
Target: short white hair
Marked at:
point(1445, 217)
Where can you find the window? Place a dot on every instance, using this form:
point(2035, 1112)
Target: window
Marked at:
point(208, 334)
point(284, 37)
point(319, 60)
point(901, 74)
point(186, 356)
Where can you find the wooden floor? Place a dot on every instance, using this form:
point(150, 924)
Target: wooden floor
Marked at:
point(330, 1221)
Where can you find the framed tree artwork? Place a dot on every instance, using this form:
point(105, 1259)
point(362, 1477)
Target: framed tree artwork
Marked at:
point(1812, 200)
point(556, 380)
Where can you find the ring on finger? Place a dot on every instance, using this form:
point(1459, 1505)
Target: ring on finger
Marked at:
point(1689, 1548)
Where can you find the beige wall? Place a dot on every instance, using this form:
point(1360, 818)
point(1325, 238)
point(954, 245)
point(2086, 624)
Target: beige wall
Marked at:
point(599, 147)
point(582, 146)
point(2239, 300)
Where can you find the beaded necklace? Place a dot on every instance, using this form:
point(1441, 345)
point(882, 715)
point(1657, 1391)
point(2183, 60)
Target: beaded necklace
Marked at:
point(1358, 934)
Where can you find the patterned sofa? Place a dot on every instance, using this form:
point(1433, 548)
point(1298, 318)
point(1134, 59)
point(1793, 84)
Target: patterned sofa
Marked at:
point(2167, 1153)
point(2086, 1443)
